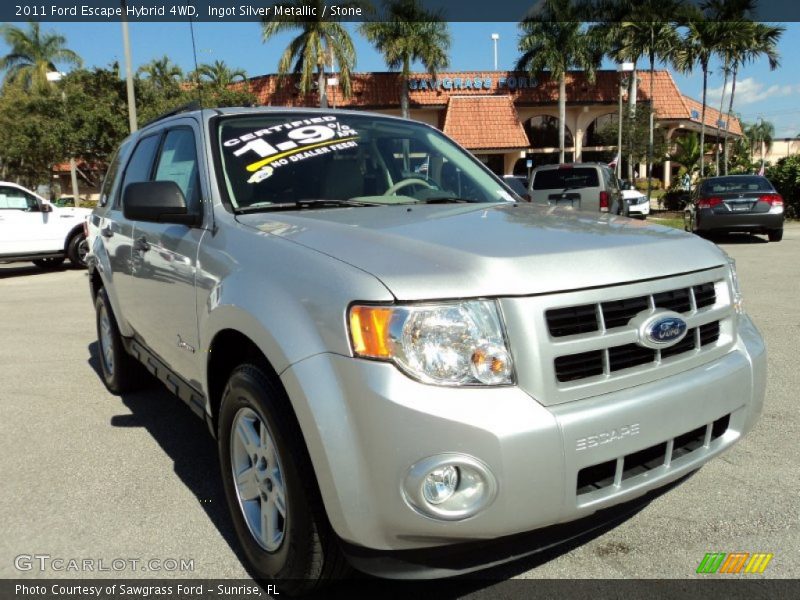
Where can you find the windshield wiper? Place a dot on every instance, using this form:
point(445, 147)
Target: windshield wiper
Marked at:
point(444, 200)
point(300, 204)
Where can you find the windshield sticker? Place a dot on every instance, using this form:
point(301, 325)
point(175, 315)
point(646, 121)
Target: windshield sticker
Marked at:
point(291, 142)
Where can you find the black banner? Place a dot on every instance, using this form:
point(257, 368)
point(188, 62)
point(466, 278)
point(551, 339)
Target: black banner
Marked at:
point(341, 10)
point(706, 588)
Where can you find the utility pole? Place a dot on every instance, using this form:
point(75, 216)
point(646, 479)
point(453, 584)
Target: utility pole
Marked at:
point(495, 37)
point(132, 120)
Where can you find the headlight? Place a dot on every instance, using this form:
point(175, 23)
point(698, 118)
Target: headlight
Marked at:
point(738, 300)
point(455, 343)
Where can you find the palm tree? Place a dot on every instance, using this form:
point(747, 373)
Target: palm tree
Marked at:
point(752, 41)
point(554, 39)
point(162, 72)
point(687, 152)
point(321, 40)
point(219, 74)
point(406, 33)
point(650, 31)
point(704, 38)
point(33, 55)
point(761, 133)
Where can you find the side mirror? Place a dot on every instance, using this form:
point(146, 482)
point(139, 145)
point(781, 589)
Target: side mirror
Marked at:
point(158, 202)
point(45, 207)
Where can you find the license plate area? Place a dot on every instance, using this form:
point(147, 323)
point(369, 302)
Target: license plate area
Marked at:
point(569, 200)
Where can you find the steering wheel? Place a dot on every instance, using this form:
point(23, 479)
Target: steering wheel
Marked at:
point(405, 183)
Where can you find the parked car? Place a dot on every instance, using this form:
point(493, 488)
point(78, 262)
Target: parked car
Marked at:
point(588, 187)
point(636, 203)
point(397, 369)
point(519, 184)
point(746, 203)
point(32, 229)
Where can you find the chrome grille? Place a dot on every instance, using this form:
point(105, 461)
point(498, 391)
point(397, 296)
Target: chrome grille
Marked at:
point(580, 344)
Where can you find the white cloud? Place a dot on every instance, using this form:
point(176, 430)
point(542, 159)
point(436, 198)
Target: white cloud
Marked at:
point(750, 91)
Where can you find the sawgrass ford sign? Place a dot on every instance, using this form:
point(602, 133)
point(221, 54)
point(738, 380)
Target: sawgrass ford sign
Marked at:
point(472, 83)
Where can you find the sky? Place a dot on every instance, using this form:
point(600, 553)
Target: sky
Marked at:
point(760, 93)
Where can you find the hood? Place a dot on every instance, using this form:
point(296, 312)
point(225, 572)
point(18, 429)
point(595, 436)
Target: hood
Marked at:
point(454, 251)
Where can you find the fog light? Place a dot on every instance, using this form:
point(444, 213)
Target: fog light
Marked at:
point(450, 487)
point(440, 484)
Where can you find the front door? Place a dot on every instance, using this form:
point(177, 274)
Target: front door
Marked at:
point(24, 227)
point(164, 261)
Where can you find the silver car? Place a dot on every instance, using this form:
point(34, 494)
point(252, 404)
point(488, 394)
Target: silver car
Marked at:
point(590, 187)
point(400, 364)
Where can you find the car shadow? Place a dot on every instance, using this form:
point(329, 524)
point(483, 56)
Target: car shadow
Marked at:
point(186, 441)
point(184, 438)
point(24, 269)
point(736, 238)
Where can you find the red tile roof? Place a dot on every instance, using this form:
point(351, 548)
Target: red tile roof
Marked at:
point(484, 122)
point(382, 90)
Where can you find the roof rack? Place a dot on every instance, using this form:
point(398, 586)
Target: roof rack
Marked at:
point(193, 105)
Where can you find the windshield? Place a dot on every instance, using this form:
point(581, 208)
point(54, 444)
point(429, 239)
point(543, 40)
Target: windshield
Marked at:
point(270, 160)
point(565, 178)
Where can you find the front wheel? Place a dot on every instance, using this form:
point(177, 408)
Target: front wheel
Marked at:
point(776, 235)
point(271, 488)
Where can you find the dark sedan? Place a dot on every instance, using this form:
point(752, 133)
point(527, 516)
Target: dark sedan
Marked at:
point(747, 203)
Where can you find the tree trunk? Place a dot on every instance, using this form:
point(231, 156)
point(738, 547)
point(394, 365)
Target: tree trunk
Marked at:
point(730, 112)
point(404, 96)
point(703, 124)
point(323, 87)
point(562, 114)
point(633, 90)
point(721, 105)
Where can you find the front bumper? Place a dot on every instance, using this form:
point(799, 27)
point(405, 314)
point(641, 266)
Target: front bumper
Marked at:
point(638, 208)
point(365, 424)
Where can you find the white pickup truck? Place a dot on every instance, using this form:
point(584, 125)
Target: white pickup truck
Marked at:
point(33, 229)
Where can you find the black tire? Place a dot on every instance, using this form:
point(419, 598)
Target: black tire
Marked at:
point(121, 372)
point(77, 250)
point(49, 263)
point(308, 554)
point(775, 235)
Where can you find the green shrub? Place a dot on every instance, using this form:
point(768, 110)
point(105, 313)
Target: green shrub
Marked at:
point(785, 176)
point(675, 199)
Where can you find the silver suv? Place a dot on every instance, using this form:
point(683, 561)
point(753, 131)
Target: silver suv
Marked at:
point(589, 187)
point(397, 363)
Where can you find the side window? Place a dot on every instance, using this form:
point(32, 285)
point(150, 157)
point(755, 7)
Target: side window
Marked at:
point(178, 163)
point(141, 164)
point(14, 199)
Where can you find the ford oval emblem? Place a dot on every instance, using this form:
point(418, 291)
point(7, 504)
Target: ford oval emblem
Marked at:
point(663, 331)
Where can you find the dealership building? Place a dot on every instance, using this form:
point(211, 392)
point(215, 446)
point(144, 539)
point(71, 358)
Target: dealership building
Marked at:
point(507, 118)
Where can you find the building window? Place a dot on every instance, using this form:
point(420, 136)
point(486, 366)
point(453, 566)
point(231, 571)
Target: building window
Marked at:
point(542, 132)
point(602, 131)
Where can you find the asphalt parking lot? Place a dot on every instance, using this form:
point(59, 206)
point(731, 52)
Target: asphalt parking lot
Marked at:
point(90, 475)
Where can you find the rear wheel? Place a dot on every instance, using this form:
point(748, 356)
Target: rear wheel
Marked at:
point(49, 263)
point(776, 235)
point(271, 488)
point(77, 249)
point(121, 373)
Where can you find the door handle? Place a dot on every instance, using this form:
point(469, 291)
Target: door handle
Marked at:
point(141, 245)
point(106, 231)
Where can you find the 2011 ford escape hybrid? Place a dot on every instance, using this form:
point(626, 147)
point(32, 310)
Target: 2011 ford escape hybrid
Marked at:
point(397, 360)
